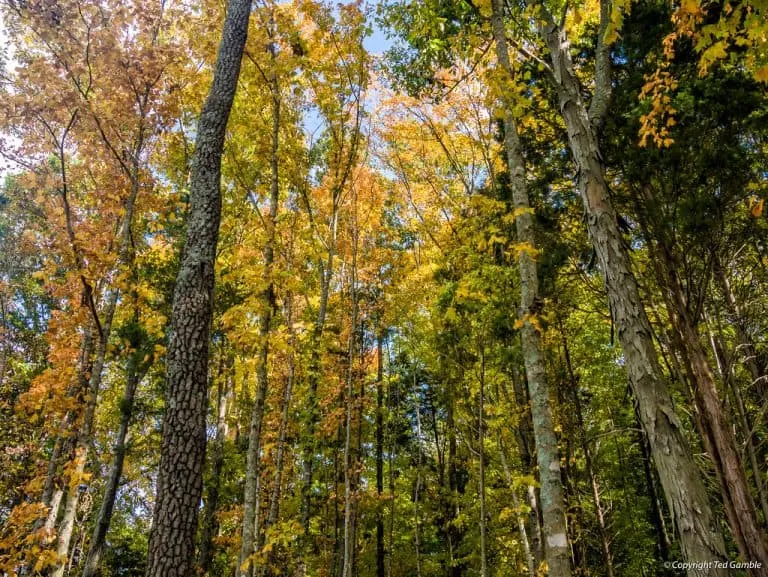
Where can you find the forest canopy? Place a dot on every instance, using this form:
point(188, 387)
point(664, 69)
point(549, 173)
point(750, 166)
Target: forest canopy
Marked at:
point(408, 288)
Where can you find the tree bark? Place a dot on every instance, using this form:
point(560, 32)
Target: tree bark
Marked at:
point(700, 539)
point(182, 458)
point(742, 416)
point(552, 500)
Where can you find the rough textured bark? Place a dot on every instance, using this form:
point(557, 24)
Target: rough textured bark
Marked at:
point(714, 427)
point(180, 478)
point(552, 500)
point(657, 516)
point(699, 537)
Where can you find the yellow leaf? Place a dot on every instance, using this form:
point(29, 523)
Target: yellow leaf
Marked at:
point(761, 74)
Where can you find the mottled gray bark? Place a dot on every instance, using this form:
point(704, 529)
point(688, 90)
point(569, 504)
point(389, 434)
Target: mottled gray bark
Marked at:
point(552, 499)
point(180, 477)
point(688, 501)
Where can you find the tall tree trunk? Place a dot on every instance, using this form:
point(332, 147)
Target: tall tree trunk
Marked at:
point(417, 488)
point(84, 435)
point(453, 534)
point(529, 558)
point(657, 516)
point(718, 434)
point(313, 378)
point(210, 525)
point(553, 502)
point(134, 374)
point(759, 379)
point(182, 457)
point(274, 500)
point(380, 550)
point(481, 460)
point(524, 435)
point(576, 399)
point(249, 534)
point(741, 417)
point(349, 458)
point(700, 539)
point(67, 524)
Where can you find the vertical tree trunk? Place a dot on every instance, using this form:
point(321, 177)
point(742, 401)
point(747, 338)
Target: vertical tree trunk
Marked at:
point(393, 409)
point(274, 501)
point(604, 539)
point(67, 524)
point(759, 379)
point(134, 374)
point(451, 505)
point(349, 460)
point(210, 525)
point(700, 539)
point(249, 534)
point(657, 516)
point(481, 459)
point(524, 435)
point(417, 489)
point(380, 550)
point(313, 378)
point(553, 503)
point(180, 478)
point(741, 417)
point(529, 558)
point(715, 428)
